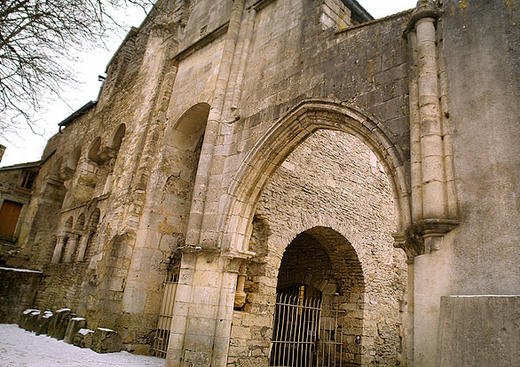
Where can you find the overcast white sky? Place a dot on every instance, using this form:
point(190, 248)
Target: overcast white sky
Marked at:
point(28, 147)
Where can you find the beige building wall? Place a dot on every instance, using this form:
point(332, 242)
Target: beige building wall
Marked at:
point(201, 116)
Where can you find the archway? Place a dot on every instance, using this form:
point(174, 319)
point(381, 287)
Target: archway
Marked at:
point(174, 179)
point(330, 187)
point(319, 279)
point(282, 138)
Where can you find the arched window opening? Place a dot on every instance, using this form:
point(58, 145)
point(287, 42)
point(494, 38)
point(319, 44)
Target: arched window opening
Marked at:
point(94, 150)
point(118, 137)
point(183, 144)
point(88, 248)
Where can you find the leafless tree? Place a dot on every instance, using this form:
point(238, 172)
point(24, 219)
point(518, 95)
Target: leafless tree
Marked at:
point(36, 36)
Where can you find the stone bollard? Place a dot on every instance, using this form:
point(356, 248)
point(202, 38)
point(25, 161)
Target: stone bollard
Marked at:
point(83, 338)
point(59, 323)
point(32, 320)
point(25, 317)
point(106, 341)
point(43, 322)
point(74, 325)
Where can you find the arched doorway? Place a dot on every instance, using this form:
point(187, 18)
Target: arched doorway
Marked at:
point(330, 198)
point(319, 279)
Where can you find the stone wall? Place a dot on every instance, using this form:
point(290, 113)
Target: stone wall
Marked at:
point(18, 289)
point(479, 257)
point(334, 181)
point(94, 168)
point(189, 148)
point(479, 331)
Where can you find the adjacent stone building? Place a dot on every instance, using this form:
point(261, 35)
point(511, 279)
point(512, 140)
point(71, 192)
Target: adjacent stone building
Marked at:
point(291, 182)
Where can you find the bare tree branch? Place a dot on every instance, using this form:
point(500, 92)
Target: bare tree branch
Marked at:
point(35, 37)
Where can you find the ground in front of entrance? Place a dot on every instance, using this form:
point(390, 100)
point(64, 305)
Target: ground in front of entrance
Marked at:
point(20, 348)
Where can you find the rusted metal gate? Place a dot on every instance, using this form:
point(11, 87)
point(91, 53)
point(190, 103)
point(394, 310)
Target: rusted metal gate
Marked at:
point(306, 334)
point(162, 334)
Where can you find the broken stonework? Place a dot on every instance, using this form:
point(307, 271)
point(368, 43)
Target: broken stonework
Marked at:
point(106, 341)
point(83, 338)
point(75, 324)
point(59, 323)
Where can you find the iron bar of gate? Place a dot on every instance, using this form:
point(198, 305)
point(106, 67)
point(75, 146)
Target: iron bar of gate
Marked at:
point(162, 334)
point(295, 331)
point(331, 338)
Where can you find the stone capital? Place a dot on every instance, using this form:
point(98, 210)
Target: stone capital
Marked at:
point(424, 9)
point(423, 236)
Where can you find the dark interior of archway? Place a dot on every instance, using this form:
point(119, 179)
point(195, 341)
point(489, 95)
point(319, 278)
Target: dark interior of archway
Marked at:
point(304, 263)
point(319, 268)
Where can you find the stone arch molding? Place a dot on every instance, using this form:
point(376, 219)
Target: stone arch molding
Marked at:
point(308, 222)
point(283, 137)
point(320, 225)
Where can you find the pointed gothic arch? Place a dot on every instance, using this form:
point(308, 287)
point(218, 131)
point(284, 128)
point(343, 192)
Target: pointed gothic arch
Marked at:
point(283, 137)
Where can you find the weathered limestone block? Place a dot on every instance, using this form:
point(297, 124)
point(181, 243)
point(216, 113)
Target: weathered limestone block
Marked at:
point(106, 341)
point(24, 318)
point(75, 324)
point(43, 322)
point(479, 331)
point(83, 338)
point(29, 318)
point(59, 323)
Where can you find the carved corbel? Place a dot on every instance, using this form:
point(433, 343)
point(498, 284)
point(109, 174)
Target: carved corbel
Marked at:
point(65, 173)
point(106, 153)
point(424, 236)
point(240, 294)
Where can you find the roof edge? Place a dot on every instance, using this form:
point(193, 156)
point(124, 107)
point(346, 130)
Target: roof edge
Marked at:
point(87, 106)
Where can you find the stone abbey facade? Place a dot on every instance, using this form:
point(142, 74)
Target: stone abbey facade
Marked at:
point(256, 168)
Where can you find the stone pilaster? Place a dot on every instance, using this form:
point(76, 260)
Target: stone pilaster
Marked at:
point(432, 177)
point(203, 311)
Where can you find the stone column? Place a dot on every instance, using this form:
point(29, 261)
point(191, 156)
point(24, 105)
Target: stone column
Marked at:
point(198, 210)
point(60, 242)
point(70, 246)
point(82, 247)
point(433, 197)
point(433, 193)
point(432, 212)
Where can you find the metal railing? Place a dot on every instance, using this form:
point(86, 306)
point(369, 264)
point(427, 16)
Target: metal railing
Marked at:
point(295, 332)
point(162, 334)
point(306, 333)
point(330, 351)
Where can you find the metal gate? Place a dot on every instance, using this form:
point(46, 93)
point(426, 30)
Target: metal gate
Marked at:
point(305, 334)
point(162, 334)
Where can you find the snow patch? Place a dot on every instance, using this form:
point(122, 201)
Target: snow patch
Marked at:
point(47, 314)
point(85, 331)
point(20, 348)
point(482, 295)
point(77, 319)
point(105, 329)
point(63, 310)
point(29, 310)
point(20, 270)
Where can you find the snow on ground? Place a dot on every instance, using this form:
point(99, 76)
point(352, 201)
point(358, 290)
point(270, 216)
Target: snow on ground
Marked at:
point(20, 348)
